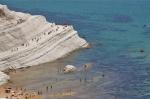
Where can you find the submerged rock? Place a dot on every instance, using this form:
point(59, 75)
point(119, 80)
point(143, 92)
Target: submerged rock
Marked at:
point(142, 50)
point(27, 40)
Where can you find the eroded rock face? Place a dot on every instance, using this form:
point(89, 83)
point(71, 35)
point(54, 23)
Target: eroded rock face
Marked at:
point(27, 40)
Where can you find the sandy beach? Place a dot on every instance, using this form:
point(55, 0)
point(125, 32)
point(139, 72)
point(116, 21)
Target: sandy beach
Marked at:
point(20, 93)
point(50, 81)
point(46, 81)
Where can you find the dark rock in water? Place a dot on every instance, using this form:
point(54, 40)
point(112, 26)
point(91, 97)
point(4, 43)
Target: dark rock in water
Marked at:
point(122, 18)
point(141, 50)
point(144, 26)
point(103, 75)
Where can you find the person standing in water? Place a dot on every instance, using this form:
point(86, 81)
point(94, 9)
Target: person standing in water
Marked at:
point(46, 88)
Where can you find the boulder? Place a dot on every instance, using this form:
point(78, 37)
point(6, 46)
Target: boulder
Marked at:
point(69, 68)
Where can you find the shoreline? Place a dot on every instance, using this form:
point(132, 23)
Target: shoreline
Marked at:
point(8, 70)
point(41, 43)
point(16, 76)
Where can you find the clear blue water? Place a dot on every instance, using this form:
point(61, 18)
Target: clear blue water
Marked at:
point(115, 28)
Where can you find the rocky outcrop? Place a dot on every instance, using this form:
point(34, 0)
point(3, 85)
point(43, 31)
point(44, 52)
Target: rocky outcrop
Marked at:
point(27, 40)
point(69, 69)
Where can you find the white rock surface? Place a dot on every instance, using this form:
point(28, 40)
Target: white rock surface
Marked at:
point(69, 68)
point(27, 40)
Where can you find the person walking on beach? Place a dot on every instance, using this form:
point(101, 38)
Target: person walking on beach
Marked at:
point(80, 80)
point(46, 88)
point(38, 92)
point(51, 87)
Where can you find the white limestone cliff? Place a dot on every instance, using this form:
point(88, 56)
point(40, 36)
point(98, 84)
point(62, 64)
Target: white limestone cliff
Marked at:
point(27, 40)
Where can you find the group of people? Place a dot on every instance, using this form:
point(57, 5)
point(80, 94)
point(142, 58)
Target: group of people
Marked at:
point(38, 37)
point(18, 93)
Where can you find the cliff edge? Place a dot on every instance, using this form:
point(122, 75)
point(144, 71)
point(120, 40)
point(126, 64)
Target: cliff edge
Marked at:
point(27, 40)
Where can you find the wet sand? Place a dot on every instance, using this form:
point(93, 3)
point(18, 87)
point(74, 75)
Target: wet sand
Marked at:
point(52, 82)
point(47, 78)
point(20, 93)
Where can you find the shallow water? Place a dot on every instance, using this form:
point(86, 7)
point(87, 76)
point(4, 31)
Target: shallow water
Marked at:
point(38, 78)
point(115, 28)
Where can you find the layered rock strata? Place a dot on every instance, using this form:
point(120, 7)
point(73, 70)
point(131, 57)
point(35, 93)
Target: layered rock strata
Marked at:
point(27, 40)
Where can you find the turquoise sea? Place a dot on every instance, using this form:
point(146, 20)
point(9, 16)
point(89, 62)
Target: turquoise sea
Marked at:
point(117, 31)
